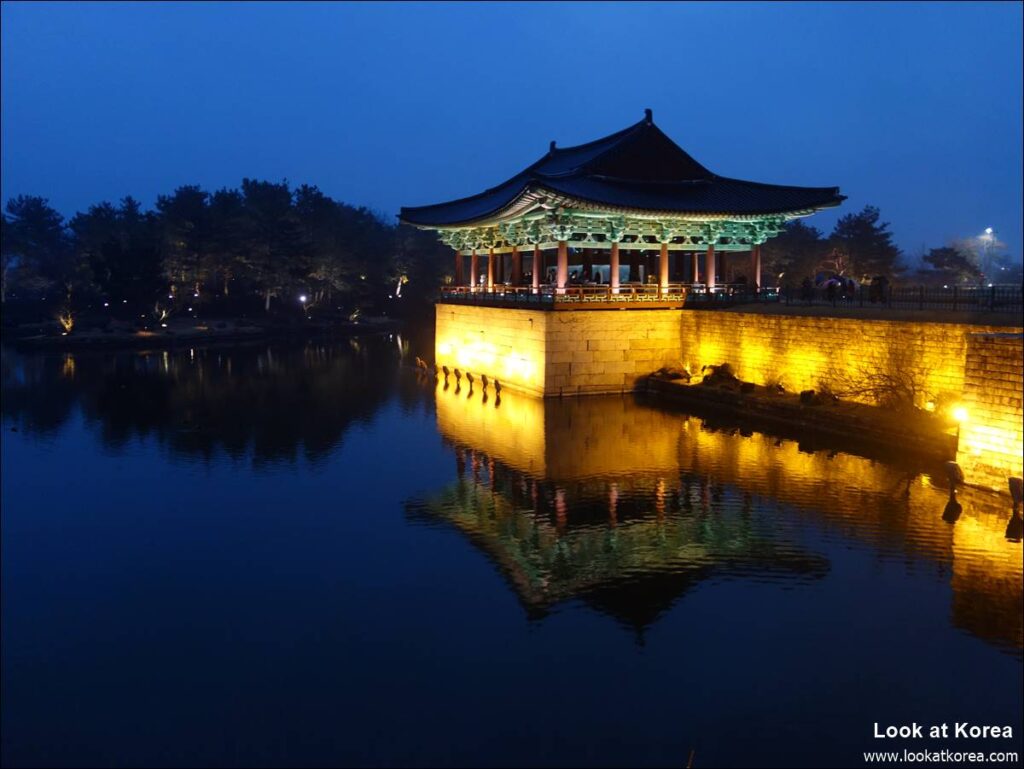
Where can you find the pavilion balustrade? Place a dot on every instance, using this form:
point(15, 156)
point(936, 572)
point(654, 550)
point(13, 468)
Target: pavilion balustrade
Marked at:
point(632, 293)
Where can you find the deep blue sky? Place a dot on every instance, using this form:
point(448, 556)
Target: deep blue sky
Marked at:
point(913, 107)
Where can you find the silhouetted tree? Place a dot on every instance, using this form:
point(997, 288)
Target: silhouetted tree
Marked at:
point(184, 220)
point(949, 266)
point(122, 248)
point(273, 245)
point(226, 239)
point(795, 253)
point(865, 245)
point(36, 245)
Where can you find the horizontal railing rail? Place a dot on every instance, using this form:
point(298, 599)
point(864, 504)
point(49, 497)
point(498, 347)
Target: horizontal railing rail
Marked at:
point(995, 298)
point(638, 293)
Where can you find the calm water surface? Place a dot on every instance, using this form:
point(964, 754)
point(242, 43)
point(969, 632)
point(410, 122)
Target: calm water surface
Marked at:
point(304, 554)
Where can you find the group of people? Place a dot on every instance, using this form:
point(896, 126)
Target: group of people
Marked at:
point(839, 288)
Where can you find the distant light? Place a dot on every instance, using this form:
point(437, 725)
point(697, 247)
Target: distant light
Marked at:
point(988, 230)
point(196, 294)
point(163, 325)
point(124, 301)
point(302, 298)
point(960, 414)
point(990, 285)
point(106, 304)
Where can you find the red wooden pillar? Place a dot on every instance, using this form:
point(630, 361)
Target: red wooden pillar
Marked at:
point(458, 268)
point(696, 266)
point(663, 269)
point(490, 268)
point(755, 257)
point(474, 269)
point(613, 277)
point(517, 266)
point(538, 267)
point(563, 266)
point(710, 266)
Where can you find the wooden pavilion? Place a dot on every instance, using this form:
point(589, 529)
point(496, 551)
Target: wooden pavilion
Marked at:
point(630, 216)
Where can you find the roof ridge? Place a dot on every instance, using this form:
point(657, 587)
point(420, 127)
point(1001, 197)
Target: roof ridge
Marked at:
point(620, 132)
point(769, 185)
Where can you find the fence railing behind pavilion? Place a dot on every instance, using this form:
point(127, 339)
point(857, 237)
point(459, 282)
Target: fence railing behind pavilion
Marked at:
point(996, 298)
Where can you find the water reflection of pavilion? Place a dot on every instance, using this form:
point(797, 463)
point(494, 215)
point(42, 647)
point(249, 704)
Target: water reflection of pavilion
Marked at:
point(629, 547)
point(626, 508)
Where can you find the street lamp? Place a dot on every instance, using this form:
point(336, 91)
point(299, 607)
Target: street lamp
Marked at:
point(987, 239)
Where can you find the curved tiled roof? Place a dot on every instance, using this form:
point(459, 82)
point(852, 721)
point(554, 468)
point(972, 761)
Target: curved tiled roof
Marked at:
point(638, 168)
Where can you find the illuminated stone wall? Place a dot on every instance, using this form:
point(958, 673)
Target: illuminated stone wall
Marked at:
point(595, 351)
point(508, 345)
point(557, 353)
point(844, 353)
point(991, 438)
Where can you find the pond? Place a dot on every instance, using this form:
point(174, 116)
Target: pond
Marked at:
point(310, 554)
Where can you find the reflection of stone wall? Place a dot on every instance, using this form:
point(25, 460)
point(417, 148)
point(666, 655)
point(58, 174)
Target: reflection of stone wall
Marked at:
point(592, 449)
point(991, 438)
point(566, 439)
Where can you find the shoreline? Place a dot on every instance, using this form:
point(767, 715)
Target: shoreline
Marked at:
point(214, 332)
point(878, 431)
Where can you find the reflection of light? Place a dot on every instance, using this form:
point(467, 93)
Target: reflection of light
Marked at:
point(960, 414)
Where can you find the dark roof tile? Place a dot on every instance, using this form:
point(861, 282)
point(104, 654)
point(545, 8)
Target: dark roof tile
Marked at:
point(638, 168)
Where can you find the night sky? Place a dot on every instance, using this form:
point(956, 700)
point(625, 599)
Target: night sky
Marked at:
point(913, 107)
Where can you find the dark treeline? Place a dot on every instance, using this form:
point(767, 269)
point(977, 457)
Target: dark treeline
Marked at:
point(861, 247)
point(267, 250)
point(256, 250)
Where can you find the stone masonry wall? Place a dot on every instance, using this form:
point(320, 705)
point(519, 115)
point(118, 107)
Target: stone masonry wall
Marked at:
point(505, 344)
point(991, 438)
point(597, 351)
point(846, 354)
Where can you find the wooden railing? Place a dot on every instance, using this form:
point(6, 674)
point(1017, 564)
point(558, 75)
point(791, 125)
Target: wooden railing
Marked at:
point(585, 295)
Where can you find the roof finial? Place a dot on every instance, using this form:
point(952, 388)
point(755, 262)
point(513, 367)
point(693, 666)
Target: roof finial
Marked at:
point(648, 115)
point(552, 147)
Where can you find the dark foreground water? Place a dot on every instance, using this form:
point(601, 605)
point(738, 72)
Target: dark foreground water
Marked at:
point(306, 555)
